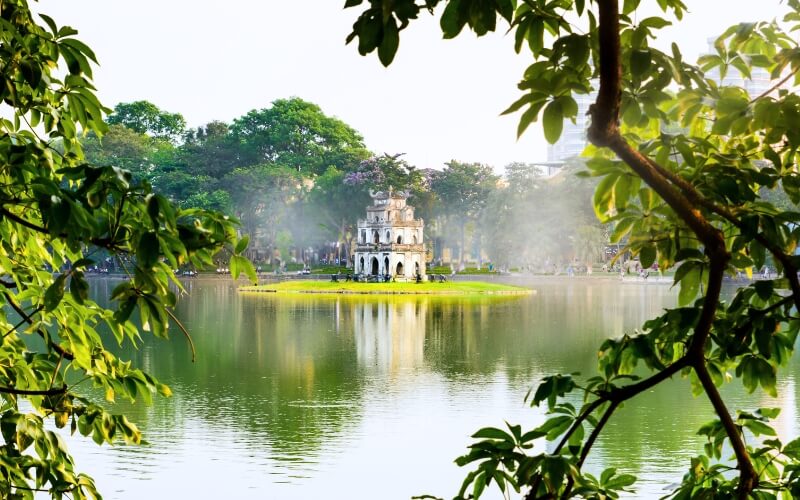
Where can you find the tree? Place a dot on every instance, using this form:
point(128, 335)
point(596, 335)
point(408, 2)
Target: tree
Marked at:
point(463, 190)
point(126, 148)
point(57, 213)
point(383, 172)
point(146, 118)
point(685, 196)
point(297, 133)
point(262, 196)
point(335, 204)
point(210, 151)
point(122, 147)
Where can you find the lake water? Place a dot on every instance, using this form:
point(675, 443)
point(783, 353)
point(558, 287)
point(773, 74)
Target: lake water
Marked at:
point(299, 397)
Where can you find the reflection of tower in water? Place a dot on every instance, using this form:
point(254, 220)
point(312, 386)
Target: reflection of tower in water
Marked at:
point(389, 336)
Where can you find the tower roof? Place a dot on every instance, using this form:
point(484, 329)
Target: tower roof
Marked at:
point(391, 193)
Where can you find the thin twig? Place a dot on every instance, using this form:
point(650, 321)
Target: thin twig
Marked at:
point(55, 372)
point(28, 319)
point(184, 330)
point(776, 86)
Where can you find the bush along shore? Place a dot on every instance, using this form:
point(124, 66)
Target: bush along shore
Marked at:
point(426, 288)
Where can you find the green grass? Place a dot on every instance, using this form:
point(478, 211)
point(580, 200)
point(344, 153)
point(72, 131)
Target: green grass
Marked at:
point(448, 288)
point(331, 270)
point(446, 270)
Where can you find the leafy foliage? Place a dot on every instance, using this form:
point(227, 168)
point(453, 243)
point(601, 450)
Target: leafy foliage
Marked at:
point(296, 133)
point(58, 215)
point(463, 190)
point(146, 118)
point(693, 173)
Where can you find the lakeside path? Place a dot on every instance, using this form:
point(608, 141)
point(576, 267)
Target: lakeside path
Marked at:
point(428, 288)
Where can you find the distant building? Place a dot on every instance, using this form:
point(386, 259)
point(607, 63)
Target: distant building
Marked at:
point(390, 239)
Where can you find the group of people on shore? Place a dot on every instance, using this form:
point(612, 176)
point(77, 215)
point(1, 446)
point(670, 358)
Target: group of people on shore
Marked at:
point(383, 278)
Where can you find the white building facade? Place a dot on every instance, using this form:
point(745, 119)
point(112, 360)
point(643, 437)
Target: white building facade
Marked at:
point(390, 240)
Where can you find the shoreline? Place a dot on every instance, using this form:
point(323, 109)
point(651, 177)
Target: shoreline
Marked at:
point(269, 279)
point(451, 288)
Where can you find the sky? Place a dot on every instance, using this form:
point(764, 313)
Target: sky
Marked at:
point(439, 100)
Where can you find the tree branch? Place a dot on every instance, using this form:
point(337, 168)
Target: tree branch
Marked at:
point(19, 220)
point(777, 85)
point(183, 330)
point(616, 397)
point(34, 392)
point(28, 319)
point(587, 447)
point(683, 199)
point(748, 478)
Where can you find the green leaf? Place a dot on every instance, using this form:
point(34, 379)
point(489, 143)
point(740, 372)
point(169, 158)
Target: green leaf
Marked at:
point(479, 485)
point(148, 250)
point(54, 293)
point(690, 285)
point(640, 61)
point(152, 210)
point(759, 428)
point(647, 256)
point(452, 21)
point(241, 245)
point(79, 287)
point(239, 264)
point(621, 481)
point(792, 449)
point(553, 121)
point(769, 413)
point(493, 433)
point(655, 22)
point(629, 6)
point(391, 40)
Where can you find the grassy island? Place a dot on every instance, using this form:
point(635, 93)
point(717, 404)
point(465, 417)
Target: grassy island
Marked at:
point(428, 288)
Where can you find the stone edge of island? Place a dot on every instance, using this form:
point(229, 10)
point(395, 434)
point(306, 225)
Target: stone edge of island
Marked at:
point(266, 289)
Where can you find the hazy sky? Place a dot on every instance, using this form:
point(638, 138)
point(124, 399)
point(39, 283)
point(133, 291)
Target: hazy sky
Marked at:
point(439, 100)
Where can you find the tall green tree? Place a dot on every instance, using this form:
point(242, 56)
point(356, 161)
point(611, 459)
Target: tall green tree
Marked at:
point(262, 196)
point(335, 205)
point(146, 118)
point(210, 151)
point(120, 146)
point(686, 196)
point(57, 214)
point(463, 190)
point(297, 133)
point(144, 156)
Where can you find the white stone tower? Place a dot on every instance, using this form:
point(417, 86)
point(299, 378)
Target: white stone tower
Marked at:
point(390, 239)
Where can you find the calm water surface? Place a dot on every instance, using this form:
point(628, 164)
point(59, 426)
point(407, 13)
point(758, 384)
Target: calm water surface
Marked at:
point(363, 397)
